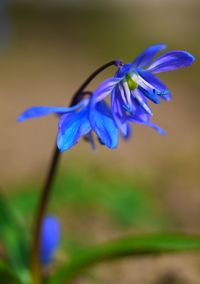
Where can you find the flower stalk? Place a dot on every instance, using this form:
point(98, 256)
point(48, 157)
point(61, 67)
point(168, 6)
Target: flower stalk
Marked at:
point(35, 264)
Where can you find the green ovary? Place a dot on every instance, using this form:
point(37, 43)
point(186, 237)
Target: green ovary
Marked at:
point(131, 83)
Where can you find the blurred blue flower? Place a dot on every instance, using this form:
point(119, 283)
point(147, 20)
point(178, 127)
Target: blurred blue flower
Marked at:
point(79, 120)
point(50, 239)
point(136, 83)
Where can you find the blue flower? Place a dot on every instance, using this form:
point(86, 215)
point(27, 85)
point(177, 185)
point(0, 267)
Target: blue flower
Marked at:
point(129, 90)
point(135, 82)
point(79, 120)
point(50, 239)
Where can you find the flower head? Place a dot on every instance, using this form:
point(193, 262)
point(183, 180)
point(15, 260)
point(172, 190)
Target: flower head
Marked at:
point(50, 238)
point(134, 84)
point(130, 90)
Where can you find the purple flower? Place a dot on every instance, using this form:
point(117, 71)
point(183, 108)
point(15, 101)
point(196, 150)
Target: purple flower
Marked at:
point(135, 82)
point(79, 120)
point(50, 239)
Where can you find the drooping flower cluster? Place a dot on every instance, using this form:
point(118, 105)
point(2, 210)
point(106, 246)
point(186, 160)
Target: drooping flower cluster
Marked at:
point(129, 91)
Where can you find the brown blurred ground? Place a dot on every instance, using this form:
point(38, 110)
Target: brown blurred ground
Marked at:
point(52, 50)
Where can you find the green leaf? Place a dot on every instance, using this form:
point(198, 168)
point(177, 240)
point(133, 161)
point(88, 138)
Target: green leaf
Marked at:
point(128, 246)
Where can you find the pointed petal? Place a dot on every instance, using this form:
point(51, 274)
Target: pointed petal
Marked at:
point(154, 88)
point(103, 125)
point(128, 132)
point(50, 238)
point(147, 55)
point(118, 111)
point(39, 111)
point(127, 92)
point(171, 61)
point(139, 115)
point(142, 118)
point(104, 89)
point(151, 95)
point(139, 96)
point(71, 127)
point(156, 128)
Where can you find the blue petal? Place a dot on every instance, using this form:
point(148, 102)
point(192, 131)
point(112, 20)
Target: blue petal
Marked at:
point(150, 94)
point(139, 115)
point(39, 111)
point(103, 125)
point(146, 56)
point(50, 238)
point(128, 132)
point(142, 101)
point(153, 86)
point(104, 89)
point(118, 112)
point(71, 127)
point(171, 61)
point(156, 128)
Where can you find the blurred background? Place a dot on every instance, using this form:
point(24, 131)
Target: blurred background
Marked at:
point(150, 183)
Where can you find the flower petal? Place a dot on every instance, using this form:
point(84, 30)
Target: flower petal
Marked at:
point(171, 61)
point(103, 125)
point(104, 89)
point(156, 128)
point(140, 117)
point(71, 127)
point(50, 238)
point(139, 96)
point(118, 112)
point(128, 132)
point(39, 111)
point(154, 88)
point(146, 56)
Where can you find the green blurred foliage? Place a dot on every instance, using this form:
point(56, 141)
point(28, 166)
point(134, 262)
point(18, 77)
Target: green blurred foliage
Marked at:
point(95, 194)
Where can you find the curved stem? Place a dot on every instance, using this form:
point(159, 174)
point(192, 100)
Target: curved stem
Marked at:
point(78, 93)
point(35, 249)
point(35, 260)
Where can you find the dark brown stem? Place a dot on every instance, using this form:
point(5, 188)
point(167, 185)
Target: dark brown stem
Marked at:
point(91, 77)
point(43, 203)
point(35, 257)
